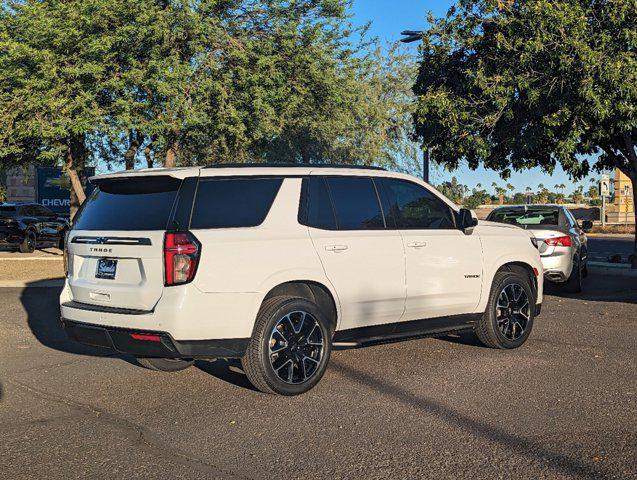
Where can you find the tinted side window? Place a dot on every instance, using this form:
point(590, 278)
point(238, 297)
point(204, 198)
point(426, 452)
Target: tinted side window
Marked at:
point(355, 203)
point(415, 207)
point(43, 211)
point(6, 211)
point(316, 207)
point(27, 211)
point(233, 202)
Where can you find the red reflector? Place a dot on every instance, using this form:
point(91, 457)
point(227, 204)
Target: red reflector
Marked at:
point(536, 271)
point(145, 337)
point(564, 241)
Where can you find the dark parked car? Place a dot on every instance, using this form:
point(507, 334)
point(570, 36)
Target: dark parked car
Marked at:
point(26, 225)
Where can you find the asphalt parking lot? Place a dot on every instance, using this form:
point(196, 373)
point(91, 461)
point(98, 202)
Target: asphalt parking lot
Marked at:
point(562, 406)
point(600, 248)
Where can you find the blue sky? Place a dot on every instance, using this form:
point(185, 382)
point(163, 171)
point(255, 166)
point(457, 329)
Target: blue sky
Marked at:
point(389, 18)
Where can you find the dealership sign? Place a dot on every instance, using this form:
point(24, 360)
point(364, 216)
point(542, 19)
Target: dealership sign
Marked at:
point(53, 189)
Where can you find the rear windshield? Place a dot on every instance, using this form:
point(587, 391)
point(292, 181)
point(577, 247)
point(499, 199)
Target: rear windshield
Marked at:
point(6, 211)
point(529, 217)
point(233, 202)
point(129, 204)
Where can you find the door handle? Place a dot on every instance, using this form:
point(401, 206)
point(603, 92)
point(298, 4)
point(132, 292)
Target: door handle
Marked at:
point(336, 248)
point(417, 244)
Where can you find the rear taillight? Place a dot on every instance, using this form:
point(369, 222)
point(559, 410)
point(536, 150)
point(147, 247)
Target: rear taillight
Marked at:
point(65, 255)
point(181, 256)
point(564, 241)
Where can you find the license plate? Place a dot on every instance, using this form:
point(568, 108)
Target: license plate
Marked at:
point(106, 268)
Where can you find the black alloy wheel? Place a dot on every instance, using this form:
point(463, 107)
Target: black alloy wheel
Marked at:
point(513, 311)
point(508, 319)
point(290, 346)
point(296, 347)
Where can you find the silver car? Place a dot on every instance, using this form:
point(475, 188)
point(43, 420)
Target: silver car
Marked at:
point(560, 239)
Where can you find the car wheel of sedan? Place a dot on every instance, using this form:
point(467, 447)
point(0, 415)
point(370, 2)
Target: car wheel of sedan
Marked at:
point(290, 346)
point(28, 243)
point(508, 319)
point(574, 282)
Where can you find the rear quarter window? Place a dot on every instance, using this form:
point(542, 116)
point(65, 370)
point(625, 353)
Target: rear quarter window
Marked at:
point(233, 202)
point(129, 204)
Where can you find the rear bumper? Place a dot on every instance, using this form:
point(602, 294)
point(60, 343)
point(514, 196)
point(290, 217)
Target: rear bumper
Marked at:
point(558, 266)
point(121, 340)
point(183, 312)
point(11, 236)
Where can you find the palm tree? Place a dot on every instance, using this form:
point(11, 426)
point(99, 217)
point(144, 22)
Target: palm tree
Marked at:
point(500, 192)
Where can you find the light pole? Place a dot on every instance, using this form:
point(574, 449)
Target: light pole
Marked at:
point(411, 36)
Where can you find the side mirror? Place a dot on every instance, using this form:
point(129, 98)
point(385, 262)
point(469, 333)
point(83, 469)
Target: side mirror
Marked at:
point(587, 225)
point(466, 219)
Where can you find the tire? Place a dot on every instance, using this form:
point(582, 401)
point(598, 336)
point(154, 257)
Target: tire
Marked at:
point(165, 364)
point(574, 282)
point(29, 243)
point(493, 329)
point(302, 347)
point(61, 241)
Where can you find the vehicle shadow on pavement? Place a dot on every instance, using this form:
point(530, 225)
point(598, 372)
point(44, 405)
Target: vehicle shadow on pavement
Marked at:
point(463, 337)
point(229, 371)
point(558, 462)
point(41, 304)
point(599, 288)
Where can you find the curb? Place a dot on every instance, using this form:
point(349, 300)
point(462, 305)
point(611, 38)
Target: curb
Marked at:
point(611, 236)
point(35, 283)
point(30, 259)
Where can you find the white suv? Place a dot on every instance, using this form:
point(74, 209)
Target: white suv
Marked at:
point(277, 265)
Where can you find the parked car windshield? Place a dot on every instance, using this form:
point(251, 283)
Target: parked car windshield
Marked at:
point(129, 204)
point(7, 211)
point(529, 217)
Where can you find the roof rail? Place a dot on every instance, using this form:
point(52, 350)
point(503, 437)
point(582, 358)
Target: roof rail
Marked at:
point(292, 165)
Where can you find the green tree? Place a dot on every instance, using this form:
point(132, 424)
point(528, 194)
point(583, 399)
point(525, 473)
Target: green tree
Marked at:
point(516, 85)
point(478, 197)
point(57, 64)
point(453, 190)
point(200, 82)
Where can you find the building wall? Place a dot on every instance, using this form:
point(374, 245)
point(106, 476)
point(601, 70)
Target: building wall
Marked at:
point(623, 210)
point(21, 185)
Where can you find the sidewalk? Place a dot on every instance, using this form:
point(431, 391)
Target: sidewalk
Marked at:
point(18, 269)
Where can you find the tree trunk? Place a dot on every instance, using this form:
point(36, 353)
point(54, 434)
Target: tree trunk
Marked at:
point(75, 160)
point(171, 155)
point(633, 181)
point(148, 156)
point(134, 142)
point(305, 154)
